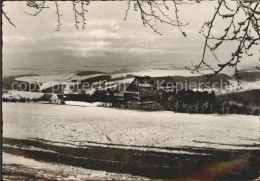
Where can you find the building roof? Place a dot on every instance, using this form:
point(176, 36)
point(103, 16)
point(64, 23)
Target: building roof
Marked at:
point(139, 81)
point(48, 97)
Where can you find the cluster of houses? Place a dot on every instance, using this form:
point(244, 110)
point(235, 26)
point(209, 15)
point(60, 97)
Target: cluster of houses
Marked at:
point(143, 93)
point(21, 96)
point(141, 89)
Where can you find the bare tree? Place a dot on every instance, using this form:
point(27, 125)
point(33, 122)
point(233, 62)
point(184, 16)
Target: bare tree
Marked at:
point(152, 12)
point(245, 32)
point(79, 8)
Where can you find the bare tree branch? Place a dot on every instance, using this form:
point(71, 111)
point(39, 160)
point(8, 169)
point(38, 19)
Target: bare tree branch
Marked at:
point(128, 8)
point(58, 16)
point(37, 6)
point(245, 33)
point(5, 15)
point(80, 13)
point(84, 10)
point(152, 12)
point(179, 24)
point(75, 14)
point(242, 33)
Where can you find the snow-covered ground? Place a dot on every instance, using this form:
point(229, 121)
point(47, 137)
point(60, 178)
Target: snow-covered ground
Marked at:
point(76, 125)
point(170, 72)
point(85, 125)
point(84, 104)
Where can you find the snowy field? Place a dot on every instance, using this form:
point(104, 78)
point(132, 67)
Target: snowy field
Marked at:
point(82, 141)
point(78, 126)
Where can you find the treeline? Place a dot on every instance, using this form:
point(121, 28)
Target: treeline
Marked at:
point(184, 101)
point(188, 101)
point(20, 99)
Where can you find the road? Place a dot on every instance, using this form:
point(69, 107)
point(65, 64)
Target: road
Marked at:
point(209, 164)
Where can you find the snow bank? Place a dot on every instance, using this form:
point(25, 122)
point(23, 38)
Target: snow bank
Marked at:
point(83, 104)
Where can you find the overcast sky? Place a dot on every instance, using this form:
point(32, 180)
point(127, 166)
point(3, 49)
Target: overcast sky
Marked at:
point(107, 42)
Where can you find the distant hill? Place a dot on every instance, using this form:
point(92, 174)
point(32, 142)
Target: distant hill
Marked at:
point(196, 80)
point(122, 70)
point(251, 97)
point(249, 76)
point(123, 77)
point(9, 80)
point(83, 73)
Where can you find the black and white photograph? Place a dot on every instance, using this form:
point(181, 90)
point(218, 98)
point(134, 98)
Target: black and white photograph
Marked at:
point(131, 90)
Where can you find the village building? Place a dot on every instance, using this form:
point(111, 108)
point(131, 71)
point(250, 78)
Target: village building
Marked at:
point(50, 98)
point(151, 83)
point(145, 88)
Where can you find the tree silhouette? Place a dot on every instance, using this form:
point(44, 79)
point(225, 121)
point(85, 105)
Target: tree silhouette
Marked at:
point(156, 11)
point(245, 33)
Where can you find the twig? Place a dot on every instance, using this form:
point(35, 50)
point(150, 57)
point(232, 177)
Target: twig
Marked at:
point(8, 19)
point(58, 16)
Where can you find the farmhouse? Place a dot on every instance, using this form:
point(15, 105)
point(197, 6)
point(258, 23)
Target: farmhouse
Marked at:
point(151, 83)
point(146, 88)
point(50, 98)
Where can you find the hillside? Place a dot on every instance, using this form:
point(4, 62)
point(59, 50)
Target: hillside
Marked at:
point(249, 76)
point(83, 73)
point(7, 81)
point(196, 80)
point(251, 97)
